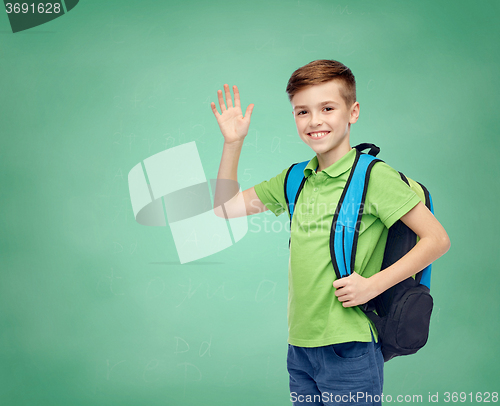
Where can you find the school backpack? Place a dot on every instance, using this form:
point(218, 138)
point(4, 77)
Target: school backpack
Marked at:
point(402, 313)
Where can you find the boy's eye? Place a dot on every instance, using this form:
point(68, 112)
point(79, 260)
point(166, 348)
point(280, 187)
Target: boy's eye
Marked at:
point(301, 112)
point(328, 108)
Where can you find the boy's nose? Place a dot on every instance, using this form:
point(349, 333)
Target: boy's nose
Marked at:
point(315, 121)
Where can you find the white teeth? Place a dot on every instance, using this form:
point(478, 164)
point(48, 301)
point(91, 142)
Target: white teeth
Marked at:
point(317, 135)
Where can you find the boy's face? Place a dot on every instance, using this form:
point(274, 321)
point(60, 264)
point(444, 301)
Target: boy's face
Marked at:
point(323, 119)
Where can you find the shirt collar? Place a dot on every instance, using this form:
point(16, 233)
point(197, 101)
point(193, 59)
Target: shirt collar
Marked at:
point(336, 169)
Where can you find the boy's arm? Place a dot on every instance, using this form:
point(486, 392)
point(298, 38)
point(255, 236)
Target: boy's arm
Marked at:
point(228, 201)
point(433, 243)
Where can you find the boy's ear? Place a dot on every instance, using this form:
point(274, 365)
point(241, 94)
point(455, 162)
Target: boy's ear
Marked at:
point(354, 113)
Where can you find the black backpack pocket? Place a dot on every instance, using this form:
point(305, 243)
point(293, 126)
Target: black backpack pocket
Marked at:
point(412, 318)
point(403, 327)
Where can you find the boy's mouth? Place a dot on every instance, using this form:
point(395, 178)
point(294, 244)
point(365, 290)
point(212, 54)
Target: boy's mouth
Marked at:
point(317, 135)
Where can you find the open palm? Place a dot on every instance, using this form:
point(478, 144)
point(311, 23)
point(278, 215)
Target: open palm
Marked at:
point(232, 123)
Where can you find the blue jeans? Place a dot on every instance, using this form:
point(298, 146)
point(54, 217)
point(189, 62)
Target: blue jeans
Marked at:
point(339, 374)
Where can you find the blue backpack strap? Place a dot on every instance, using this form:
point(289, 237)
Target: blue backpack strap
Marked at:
point(347, 218)
point(294, 182)
point(425, 278)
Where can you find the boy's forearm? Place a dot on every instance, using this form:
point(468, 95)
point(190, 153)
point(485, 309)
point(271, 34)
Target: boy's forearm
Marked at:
point(227, 177)
point(355, 289)
point(426, 251)
point(433, 243)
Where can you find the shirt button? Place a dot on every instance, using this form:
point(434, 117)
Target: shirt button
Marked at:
point(315, 189)
point(312, 200)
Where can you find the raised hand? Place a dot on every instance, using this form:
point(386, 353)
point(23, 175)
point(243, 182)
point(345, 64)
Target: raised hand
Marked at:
point(232, 124)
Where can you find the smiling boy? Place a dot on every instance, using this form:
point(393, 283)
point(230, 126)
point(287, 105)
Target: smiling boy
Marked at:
point(323, 121)
point(333, 353)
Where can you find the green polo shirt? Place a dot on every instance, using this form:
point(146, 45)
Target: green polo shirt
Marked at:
point(315, 316)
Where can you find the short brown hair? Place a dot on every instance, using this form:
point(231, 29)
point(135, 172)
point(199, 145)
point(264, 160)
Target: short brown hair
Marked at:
point(320, 71)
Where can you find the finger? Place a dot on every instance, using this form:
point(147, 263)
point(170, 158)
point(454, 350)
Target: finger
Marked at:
point(214, 109)
point(229, 101)
point(341, 292)
point(236, 96)
point(339, 283)
point(221, 101)
point(344, 298)
point(248, 112)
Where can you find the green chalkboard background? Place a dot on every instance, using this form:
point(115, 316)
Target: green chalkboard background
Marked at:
point(96, 309)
